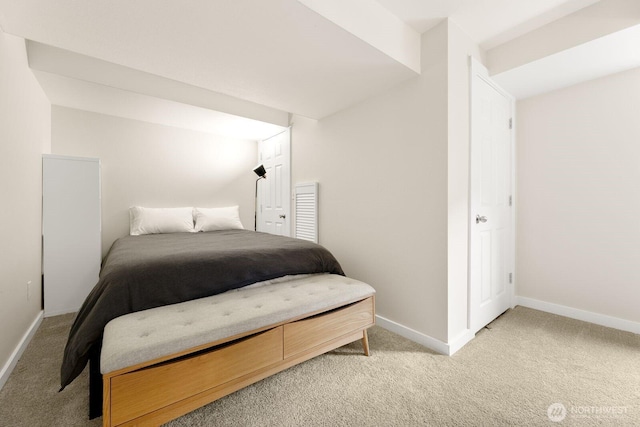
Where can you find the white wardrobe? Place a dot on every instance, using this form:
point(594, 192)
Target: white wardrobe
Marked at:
point(71, 231)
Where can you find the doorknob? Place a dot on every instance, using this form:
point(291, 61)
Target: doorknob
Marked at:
point(480, 219)
point(283, 216)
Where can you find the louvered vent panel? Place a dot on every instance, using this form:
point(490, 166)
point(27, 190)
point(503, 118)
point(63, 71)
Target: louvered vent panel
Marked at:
point(307, 211)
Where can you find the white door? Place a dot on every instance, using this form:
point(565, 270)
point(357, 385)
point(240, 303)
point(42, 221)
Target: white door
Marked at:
point(274, 199)
point(491, 215)
point(71, 231)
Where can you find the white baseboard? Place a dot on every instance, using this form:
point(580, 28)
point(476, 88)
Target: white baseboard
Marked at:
point(575, 313)
point(15, 356)
point(423, 339)
point(466, 336)
point(460, 341)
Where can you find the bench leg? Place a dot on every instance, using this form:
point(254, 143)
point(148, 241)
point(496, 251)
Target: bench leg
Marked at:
point(95, 383)
point(365, 342)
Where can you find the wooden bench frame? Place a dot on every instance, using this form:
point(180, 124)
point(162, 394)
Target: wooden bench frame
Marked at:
point(157, 391)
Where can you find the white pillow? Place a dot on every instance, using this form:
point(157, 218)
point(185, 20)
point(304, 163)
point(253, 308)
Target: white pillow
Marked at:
point(217, 218)
point(160, 220)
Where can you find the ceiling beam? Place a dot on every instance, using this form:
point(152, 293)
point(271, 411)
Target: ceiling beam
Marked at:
point(85, 68)
point(372, 23)
point(575, 65)
point(592, 22)
point(97, 98)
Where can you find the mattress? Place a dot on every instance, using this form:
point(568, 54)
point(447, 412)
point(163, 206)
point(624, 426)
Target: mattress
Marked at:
point(143, 272)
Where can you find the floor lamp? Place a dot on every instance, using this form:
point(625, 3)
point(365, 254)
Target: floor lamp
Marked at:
point(262, 173)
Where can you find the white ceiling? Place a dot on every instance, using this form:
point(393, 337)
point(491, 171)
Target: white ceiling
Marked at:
point(257, 59)
point(488, 22)
point(277, 53)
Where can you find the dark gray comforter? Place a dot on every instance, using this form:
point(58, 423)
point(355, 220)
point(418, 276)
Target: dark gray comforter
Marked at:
point(141, 272)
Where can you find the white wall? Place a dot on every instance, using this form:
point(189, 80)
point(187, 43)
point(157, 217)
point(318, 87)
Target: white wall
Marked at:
point(394, 182)
point(382, 169)
point(578, 180)
point(25, 124)
point(460, 47)
point(151, 165)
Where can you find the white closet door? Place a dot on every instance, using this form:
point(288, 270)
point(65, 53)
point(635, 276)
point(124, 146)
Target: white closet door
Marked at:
point(491, 238)
point(71, 231)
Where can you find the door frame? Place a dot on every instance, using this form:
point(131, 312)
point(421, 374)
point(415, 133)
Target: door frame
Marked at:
point(477, 69)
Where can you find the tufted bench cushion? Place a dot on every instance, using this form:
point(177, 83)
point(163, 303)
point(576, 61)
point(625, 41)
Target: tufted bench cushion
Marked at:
point(146, 335)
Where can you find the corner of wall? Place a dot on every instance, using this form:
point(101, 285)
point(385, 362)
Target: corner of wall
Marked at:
point(459, 48)
point(25, 132)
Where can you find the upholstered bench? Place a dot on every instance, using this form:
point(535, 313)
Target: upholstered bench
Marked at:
point(161, 363)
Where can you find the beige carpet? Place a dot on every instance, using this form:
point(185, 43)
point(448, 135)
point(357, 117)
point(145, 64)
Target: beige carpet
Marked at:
point(509, 374)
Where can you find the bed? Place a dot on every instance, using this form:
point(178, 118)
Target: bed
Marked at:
point(147, 271)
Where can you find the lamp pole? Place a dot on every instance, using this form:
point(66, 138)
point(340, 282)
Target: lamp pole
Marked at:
point(255, 208)
point(262, 173)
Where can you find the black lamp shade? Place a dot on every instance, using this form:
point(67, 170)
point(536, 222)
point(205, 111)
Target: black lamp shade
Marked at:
point(260, 171)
